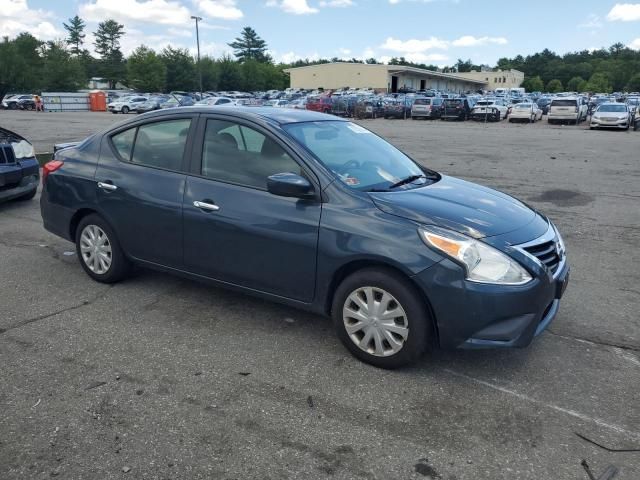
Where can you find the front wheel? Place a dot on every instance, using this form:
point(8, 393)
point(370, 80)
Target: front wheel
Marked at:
point(99, 251)
point(381, 318)
point(125, 109)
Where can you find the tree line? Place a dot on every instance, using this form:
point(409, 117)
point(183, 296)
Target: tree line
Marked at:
point(30, 65)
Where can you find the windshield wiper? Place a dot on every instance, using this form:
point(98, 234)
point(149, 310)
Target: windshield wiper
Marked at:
point(409, 179)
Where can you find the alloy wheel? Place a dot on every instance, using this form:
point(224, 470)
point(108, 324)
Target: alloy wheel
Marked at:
point(375, 321)
point(95, 248)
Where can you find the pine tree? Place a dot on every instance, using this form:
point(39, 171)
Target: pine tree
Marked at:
point(249, 46)
point(112, 66)
point(76, 34)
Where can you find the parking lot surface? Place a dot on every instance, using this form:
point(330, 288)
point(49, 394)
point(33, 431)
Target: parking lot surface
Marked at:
point(160, 377)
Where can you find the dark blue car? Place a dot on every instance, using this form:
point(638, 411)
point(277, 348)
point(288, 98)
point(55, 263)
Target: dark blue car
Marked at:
point(19, 168)
point(316, 212)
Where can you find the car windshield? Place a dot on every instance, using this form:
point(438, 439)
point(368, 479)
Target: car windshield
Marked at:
point(612, 108)
point(361, 159)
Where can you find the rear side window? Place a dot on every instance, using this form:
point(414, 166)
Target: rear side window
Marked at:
point(123, 142)
point(161, 144)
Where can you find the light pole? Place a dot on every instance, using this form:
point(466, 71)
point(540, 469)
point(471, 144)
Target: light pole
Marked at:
point(198, 19)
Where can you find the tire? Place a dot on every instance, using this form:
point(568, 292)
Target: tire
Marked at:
point(125, 109)
point(416, 320)
point(28, 196)
point(13, 106)
point(119, 266)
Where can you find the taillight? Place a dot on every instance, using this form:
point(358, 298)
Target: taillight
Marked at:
point(50, 167)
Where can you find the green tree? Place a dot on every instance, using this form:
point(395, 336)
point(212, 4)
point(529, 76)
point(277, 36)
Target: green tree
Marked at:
point(229, 74)
point(181, 69)
point(574, 84)
point(112, 66)
point(76, 35)
point(61, 71)
point(533, 84)
point(634, 84)
point(146, 71)
point(20, 64)
point(599, 83)
point(249, 46)
point(554, 86)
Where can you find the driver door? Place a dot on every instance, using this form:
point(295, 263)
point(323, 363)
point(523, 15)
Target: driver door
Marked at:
point(237, 232)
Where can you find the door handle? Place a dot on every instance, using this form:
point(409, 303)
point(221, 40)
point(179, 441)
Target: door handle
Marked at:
point(209, 207)
point(107, 186)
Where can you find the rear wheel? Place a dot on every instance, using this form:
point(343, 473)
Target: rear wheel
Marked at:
point(381, 318)
point(30, 195)
point(99, 251)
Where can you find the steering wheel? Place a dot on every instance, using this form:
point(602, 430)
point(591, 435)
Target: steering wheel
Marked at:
point(348, 165)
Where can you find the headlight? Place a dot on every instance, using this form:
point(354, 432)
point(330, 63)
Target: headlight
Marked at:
point(23, 149)
point(483, 264)
point(562, 249)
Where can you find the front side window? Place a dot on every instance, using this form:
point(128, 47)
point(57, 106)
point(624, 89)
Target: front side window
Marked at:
point(238, 154)
point(161, 144)
point(361, 159)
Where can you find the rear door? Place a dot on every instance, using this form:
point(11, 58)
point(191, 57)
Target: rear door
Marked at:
point(140, 183)
point(236, 231)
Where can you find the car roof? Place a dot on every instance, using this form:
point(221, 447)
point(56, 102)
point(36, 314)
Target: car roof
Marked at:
point(274, 115)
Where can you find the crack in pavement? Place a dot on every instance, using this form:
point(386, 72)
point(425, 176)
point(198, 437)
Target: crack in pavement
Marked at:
point(632, 348)
point(44, 316)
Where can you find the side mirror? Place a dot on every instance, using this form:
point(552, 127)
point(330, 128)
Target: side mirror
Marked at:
point(289, 185)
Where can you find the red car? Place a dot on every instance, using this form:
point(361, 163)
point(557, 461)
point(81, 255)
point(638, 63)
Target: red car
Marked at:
point(322, 104)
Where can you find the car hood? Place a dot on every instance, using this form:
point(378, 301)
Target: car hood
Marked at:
point(462, 206)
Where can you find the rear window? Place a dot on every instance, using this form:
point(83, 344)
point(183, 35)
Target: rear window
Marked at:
point(422, 101)
point(564, 103)
point(522, 105)
point(453, 102)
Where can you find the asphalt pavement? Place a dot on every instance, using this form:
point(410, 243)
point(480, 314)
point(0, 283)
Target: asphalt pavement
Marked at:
point(163, 378)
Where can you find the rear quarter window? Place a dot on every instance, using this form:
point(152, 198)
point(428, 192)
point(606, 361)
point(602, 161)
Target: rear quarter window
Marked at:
point(123, 143)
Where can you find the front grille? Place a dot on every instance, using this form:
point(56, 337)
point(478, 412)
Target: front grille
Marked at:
point(547, 253)
point(6, 154)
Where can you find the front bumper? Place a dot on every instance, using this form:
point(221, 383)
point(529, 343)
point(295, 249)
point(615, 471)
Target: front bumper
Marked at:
point(599, 123)
point(473, 315)
point(27, 185)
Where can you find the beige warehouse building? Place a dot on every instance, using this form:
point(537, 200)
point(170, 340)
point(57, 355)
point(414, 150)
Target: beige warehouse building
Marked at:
point(496, 78)
point(380, 77)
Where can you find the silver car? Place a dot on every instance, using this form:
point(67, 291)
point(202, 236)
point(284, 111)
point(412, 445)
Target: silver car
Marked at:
point(611, 115)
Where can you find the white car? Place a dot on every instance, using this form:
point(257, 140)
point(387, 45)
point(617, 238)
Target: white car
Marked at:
point(488, 108)
point(611, 115)
point(525, 112)
point(567, 109)
point(276, 103)
point(126, 104)
point(217, 101)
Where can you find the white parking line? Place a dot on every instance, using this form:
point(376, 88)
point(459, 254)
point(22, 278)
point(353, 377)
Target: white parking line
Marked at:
point(572, 413)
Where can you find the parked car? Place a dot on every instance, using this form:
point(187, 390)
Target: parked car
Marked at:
point(19, 169)
point(489, 109)
point(369, 107)
point(153, 103)
point(543, 103)
point(399, 107)
point(27, 104)
point(212, 101)
point(567, 109)
point(276, 103)
point(126, 104)
point(12, 102)
point(339, 221)
point(320, 103)
point(525, 112)
point(455, 109)
point(178, 101)
point(611, 115)
point(430, 107)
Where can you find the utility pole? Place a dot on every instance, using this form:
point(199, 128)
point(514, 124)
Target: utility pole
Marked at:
point(198, 19)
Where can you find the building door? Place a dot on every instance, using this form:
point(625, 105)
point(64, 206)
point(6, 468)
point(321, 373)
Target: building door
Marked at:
point(394, 84)
point(423, 84)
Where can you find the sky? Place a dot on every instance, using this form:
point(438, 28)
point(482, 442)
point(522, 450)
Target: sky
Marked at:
point(425, 31)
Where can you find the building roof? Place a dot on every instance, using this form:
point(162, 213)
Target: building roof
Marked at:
point(395, 69)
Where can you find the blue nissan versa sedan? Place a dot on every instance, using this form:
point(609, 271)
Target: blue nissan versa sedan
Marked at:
point(316, 212)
